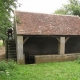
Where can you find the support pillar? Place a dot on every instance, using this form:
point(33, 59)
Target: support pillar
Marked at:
point(20, 55)
point(61, 46)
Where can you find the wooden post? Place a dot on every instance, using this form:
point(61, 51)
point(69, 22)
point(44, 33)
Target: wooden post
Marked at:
point(20, 55)
point(62, 46)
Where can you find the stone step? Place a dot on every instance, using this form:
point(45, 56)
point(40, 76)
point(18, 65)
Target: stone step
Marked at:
point(11, 40)
point(12, 56)
point(12, 50)
point(15, 59)
point(11, 45)
point(13, 53)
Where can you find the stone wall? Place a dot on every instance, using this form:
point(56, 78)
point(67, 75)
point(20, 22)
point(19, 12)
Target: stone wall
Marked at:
point(55, 58)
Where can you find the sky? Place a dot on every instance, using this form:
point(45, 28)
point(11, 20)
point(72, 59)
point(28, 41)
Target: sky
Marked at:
point(41, 6)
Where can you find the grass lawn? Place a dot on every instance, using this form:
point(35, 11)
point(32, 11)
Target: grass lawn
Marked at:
point(44, 71)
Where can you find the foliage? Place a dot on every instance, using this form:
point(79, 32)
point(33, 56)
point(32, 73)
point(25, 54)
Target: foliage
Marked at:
point(6, 7)
point(11, 64)
point(78, 60)
point(72, 8)
point(6, 68)
point(7, 65)
point(44, 71)
point(3, 66)
point(1, 43)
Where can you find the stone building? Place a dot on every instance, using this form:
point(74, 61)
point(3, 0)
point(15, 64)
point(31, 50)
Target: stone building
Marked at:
point(46, 37)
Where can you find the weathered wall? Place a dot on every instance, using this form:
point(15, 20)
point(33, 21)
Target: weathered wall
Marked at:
point(55, 58)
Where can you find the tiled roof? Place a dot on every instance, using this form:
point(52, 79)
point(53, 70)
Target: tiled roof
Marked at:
point(46, 24)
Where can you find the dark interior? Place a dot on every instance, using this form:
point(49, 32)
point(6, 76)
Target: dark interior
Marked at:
point(40, 46)
point(73, 45)
point(48, 46)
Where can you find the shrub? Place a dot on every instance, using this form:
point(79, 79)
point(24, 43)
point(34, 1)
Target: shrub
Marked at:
point(78, 60)
point(11, 64)
point(3, 66)
point(7, 65)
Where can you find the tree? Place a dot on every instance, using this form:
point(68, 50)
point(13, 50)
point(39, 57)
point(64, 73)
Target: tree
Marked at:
point(72, 8)
point(6, 7)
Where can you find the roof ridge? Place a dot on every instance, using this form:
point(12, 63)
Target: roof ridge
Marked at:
point(47, 14)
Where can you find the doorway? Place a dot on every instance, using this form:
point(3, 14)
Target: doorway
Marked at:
point(29, 59)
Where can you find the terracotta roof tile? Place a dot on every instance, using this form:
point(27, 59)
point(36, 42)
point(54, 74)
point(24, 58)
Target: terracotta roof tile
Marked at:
point(47, 24)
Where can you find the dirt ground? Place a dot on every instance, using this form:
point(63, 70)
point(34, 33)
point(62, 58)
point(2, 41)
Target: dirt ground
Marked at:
point(2, 52)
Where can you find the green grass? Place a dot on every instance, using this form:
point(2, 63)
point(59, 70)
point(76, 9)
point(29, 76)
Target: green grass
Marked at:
point(44, 71)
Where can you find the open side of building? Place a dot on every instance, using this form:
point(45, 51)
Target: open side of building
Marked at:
point(46, 38)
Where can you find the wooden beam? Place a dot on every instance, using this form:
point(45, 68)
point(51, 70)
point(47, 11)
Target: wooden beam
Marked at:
point(58, 38)
point(67, 39)
point(25, 39)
